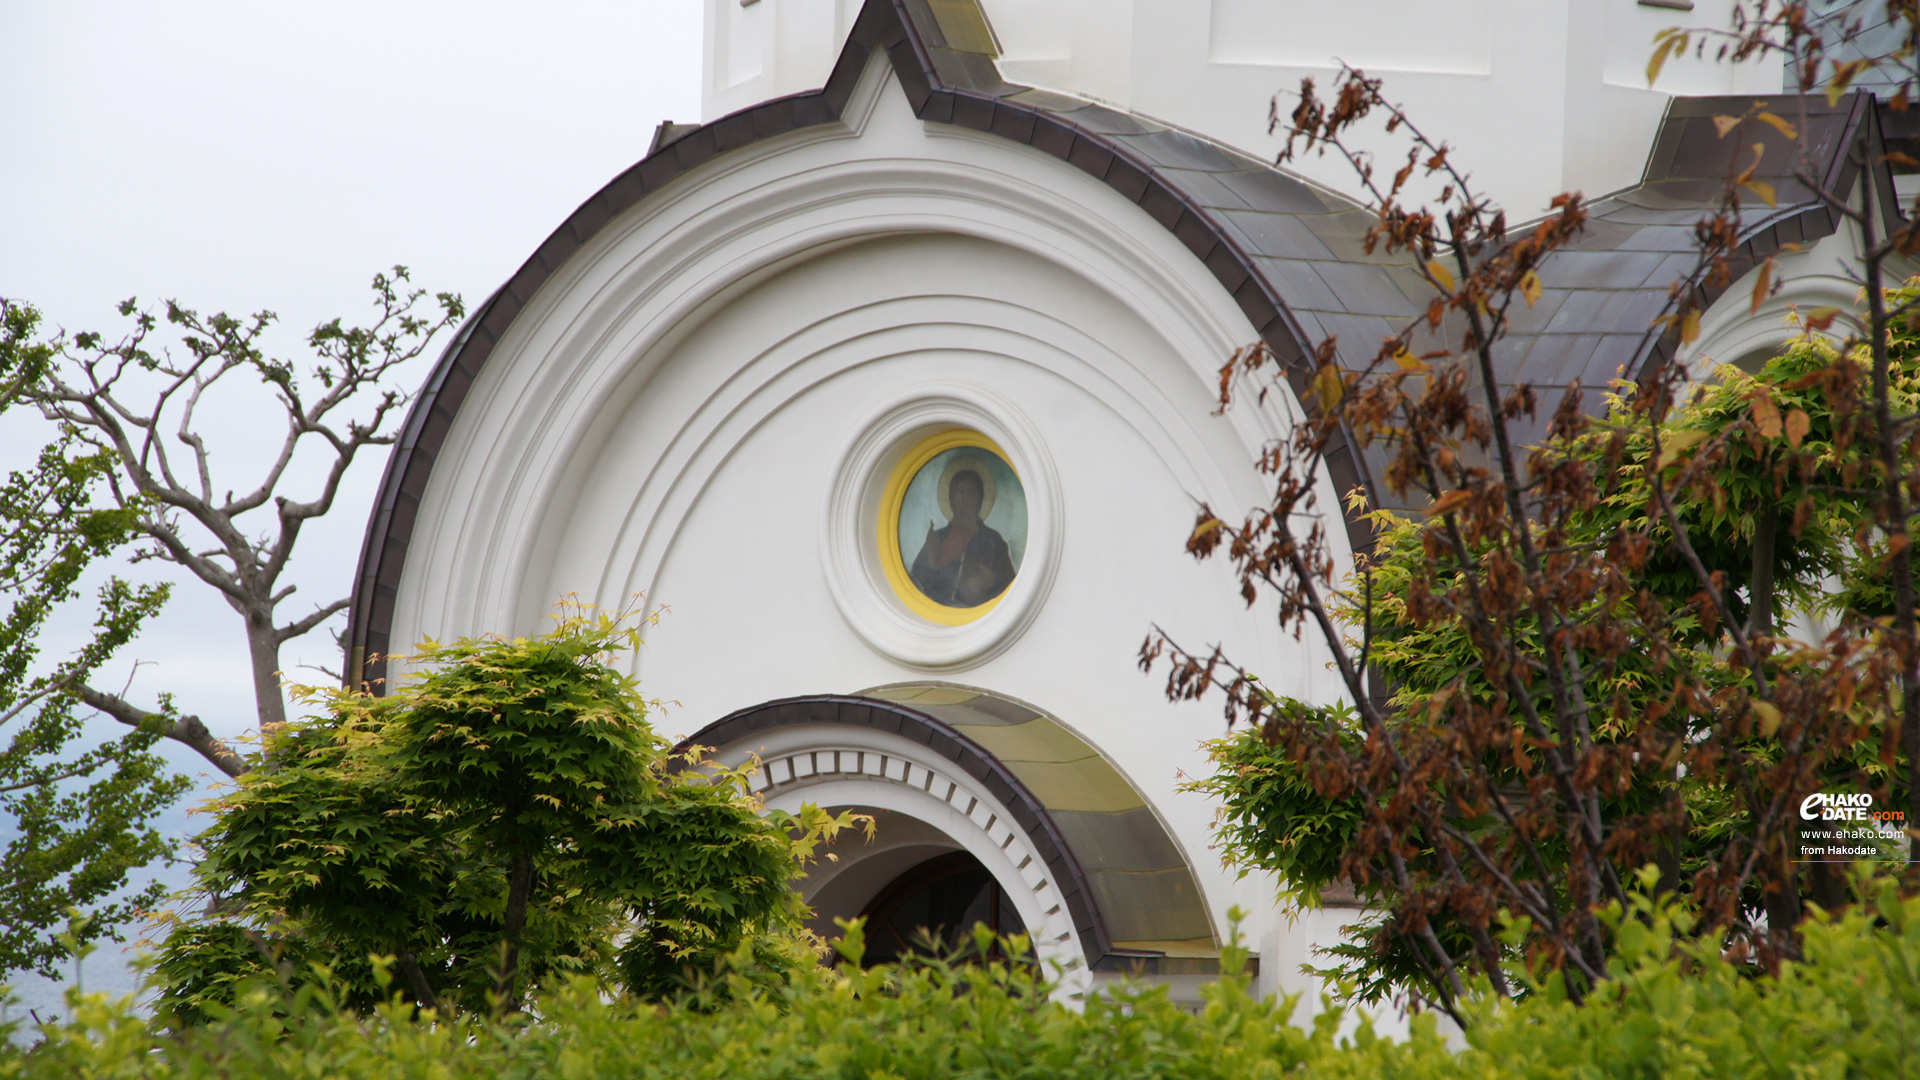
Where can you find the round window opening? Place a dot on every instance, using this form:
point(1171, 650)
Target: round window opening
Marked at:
point(953, 527)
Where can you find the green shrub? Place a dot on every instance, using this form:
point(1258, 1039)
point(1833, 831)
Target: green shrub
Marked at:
point(506, 819)
point(1673, 1009)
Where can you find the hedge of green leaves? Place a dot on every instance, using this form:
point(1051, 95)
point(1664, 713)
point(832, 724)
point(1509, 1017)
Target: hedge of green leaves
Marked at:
point(1674, 1010)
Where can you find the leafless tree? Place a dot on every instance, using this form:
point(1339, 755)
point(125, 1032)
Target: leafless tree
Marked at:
point(148, 406)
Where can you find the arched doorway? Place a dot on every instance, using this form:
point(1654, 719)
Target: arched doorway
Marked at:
point(1097, 882)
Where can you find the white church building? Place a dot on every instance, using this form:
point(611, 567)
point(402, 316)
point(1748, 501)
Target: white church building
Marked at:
point(893, 381)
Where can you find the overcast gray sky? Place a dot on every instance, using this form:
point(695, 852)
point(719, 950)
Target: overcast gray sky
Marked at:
point(269, 154)
point(266, 154)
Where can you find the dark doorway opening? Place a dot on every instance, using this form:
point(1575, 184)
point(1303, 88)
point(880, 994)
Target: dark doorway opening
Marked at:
point(932, 909)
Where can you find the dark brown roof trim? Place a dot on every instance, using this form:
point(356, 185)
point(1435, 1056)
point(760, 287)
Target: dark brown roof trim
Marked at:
point(1142, 162)
point(976, 761)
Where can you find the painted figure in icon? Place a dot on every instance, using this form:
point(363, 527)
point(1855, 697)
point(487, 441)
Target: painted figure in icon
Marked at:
point(966, 563)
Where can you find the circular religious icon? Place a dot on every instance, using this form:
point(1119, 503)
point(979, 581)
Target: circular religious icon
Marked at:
point(959, 526)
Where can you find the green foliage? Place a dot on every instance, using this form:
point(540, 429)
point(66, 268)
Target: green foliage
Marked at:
point(74, 813)
point(207, 964)
point(1784, 447)
point(1677, 1006)
point(1270, 816)
point(1670, 1010)
point(505, 819)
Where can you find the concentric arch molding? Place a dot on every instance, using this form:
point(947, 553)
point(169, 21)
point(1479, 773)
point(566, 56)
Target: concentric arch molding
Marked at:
point(1155, 168)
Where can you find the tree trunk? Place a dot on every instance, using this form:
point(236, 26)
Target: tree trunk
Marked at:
point(417, 979)
point(1671, 842)
point(1782, 895)
point(1782, 900)
point(1829, 886)
point(1893, 509)
point(1760, 581)
point(263, 651)
point(519, 892)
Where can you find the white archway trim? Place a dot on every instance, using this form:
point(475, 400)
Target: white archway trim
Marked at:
point(1732, 331)
point(839, 765)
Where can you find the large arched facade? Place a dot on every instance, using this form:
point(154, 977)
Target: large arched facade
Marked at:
point(718, 383)
point(702, 401)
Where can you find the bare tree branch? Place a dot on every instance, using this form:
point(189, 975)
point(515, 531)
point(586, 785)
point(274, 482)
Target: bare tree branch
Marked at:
point(185, 730)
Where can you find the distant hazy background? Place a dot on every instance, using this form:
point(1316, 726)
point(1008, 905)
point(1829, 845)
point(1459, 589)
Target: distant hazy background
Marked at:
point(273, 155)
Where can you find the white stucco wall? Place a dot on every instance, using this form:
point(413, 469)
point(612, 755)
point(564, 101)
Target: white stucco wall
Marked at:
point(1538, 96)
point(668, 414)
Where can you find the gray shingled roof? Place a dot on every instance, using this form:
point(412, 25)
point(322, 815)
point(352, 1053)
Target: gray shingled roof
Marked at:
point(1288, 252)
point(1604, 292)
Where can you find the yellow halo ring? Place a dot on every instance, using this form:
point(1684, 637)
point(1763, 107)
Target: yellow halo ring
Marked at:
point(894, 496)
